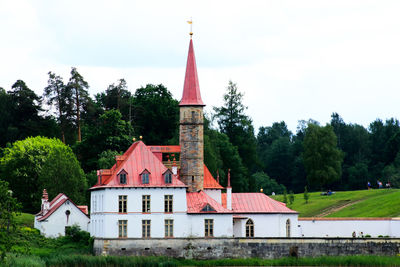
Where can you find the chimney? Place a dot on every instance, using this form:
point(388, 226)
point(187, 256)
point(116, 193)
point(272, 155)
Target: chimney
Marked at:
point(99, 172)
point(45, 202)
point(229, 192)
point(174, 167)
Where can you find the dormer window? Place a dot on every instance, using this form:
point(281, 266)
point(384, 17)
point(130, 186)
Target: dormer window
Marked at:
point(168, 177)
point(122, 177)
point(207, 208)
point(145, 177)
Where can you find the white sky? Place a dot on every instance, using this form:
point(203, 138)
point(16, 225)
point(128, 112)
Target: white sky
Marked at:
point(294, 60)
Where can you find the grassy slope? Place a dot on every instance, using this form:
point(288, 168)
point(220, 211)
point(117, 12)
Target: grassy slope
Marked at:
point(367, 203)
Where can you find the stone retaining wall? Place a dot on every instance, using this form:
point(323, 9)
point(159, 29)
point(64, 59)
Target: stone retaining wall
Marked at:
point(216, 248)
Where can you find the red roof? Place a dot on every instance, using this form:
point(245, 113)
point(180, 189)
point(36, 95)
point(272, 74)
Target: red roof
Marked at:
point(84, 209)
point(56, 203)
point(196, 201)
point(255, 203)
point(209, 181)
point(191, 90)
point(138, 158)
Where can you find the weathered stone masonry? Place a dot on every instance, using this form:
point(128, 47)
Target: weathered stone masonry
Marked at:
point(192, 147)
point(268, 248)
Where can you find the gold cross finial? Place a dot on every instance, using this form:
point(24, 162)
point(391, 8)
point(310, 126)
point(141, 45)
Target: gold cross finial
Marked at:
point(190, 22)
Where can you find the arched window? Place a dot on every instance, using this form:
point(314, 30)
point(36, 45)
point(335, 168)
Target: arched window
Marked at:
point(287, 228)
point(145, 175)
point(168, 177)
point(249, 228)
point(122, 177)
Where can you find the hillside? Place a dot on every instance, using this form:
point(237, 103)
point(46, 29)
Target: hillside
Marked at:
point(362, 203)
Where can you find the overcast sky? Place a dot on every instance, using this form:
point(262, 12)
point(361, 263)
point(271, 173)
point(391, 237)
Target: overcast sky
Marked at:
point(294, 60)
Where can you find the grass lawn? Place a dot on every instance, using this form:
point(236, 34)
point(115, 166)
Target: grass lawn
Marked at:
point(362, 203)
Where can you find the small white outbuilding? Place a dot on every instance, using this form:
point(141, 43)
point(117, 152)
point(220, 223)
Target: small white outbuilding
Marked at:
point(55, 216)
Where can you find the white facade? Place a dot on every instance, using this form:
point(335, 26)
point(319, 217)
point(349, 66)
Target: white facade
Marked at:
point(105, 215)
point(337, 227)
point(267, 225)
point(55, 224)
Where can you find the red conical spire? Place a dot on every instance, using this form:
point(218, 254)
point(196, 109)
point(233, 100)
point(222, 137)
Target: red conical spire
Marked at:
point(191, 90)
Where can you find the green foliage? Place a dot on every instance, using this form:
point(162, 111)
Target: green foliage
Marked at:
point(156, 115)
point(285, 199)
point(306, 196)
point(107, 159)
point(291, 197)
point(263, 181)
point(117, 97)
point(221, 155)
point(109, 133)
point(233, 122)
point(36, 163)
point(322, 159)
point(8, 207)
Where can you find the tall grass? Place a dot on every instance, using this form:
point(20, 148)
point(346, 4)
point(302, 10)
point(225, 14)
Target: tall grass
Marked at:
point(115, 261)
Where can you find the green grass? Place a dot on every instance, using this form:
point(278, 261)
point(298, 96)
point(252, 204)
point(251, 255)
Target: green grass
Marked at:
point(362, 203)
point(25, 219)
point(86, 260)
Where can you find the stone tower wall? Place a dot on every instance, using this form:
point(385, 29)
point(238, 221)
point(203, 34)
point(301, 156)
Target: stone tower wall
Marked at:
point(192, 147)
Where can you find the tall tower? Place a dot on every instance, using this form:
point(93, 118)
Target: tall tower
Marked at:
point(191, 127)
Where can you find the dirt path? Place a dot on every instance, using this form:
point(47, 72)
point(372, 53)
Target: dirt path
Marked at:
point(337, 208)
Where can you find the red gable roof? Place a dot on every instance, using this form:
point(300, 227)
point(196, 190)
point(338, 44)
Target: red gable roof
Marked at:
point(191, 90)
point(255, 203)
point(138, 158)
point(209, 181)
point(56, 203)
point(196, 201)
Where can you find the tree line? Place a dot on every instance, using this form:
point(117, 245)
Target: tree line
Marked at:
point(59, 139)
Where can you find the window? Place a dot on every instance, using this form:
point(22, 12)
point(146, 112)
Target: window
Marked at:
point(168, 203)
point(208, 227)
point(122, 228)
point(207, 207)
point(122, 178)
point(168, 178)
point(146, 203)
point(287, 228)
point(169, 228)
point(145, 228)
point(249, 228)
point(122, 207)
point(145, 178)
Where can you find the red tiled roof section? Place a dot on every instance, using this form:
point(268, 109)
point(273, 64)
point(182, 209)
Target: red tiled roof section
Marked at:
point(84, 209)
point(191, 89)
point(197, 200)
point(57, 202)
point(139, 158)
point(209, 181)
point(255, 203)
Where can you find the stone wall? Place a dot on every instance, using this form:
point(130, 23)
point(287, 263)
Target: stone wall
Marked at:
point(216, 248)
point(192, 146)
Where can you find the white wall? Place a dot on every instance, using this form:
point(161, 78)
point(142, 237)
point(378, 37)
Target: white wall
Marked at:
point(105, 216)
point(267, 225)
point(345, 228)
point(214, 194)
point(55, 224)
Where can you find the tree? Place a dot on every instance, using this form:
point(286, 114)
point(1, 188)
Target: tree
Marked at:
point(109, 133)
point(233, 122)
point(156, 115)
point(306, 195)
point(37, 162)
point(268, 185)
point(117, 97)
point(78, 88)
point(57, 95)
point(8, 208)
point(291, 197)
point(322, 159)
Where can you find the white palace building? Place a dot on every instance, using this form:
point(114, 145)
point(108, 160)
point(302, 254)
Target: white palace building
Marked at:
point(142, 196)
